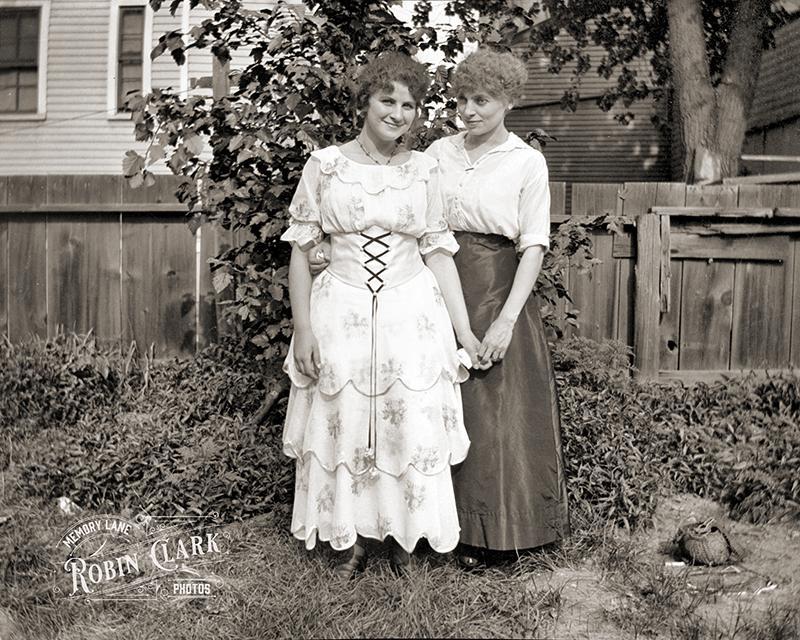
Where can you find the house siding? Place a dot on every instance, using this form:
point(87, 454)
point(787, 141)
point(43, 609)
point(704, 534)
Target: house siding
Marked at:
point(591, 146)
point(77, 135)
point(774, 121)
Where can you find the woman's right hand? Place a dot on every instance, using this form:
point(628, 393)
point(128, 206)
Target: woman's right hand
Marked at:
point(319, 257)
point(306, 353)
point(471, 345)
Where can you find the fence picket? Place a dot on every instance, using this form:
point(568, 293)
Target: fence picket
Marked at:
point(4, 284)
point(763, 292)
point(595, 294)
point(27, 259)
point(83, 258)
point(133, 271)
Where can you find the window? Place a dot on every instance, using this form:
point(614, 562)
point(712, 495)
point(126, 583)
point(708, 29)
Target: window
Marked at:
point(19, 60)
point(129, 40)
point(130, 53)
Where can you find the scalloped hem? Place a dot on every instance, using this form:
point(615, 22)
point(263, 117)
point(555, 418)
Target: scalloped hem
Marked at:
point(302, 381)
point(452, 459)
point(310, 539)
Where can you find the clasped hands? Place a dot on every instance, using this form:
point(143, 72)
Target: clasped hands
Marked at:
point(483, 354)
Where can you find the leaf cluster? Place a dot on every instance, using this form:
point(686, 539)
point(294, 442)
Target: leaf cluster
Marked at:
point(293, 97)
point(179, 436)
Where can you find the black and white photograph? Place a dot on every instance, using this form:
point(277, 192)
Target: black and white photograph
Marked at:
point(400, 319)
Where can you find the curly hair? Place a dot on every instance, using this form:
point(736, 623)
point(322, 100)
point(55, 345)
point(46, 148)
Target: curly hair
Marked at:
point(501, 75)
point(378, 75)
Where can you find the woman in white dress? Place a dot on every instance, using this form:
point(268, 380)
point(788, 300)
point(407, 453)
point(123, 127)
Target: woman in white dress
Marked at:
point(374, 419)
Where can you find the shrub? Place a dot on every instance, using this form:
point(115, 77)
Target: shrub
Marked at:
point(188, 436)
point(175, 437)
point(608, 451)
point(54, 382)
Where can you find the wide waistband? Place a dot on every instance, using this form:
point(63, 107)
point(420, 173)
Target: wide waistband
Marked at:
point(488, 240)
point(375, 258)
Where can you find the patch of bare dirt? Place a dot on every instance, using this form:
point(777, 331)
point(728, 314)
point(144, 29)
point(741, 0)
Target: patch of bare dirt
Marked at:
point(767, 575)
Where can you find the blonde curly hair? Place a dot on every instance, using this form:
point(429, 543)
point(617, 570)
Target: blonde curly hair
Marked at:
point(500, 74)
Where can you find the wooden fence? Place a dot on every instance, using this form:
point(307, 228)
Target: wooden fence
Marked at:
point(703, 280)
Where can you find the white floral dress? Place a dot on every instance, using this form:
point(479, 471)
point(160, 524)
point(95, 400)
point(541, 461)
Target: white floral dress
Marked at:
point(375, 435)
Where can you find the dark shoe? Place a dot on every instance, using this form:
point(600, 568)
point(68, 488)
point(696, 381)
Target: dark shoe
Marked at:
point(354, 565)
point(399, 559)
point(468, 558)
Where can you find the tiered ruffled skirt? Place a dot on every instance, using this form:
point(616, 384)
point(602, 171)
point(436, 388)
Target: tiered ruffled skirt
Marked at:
point(374, 436)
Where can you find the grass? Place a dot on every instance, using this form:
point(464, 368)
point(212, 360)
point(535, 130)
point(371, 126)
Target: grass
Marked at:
point(609, 587)
point(113, 434)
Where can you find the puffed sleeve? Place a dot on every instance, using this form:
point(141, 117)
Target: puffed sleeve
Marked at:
point(437, 236)
point(304, 218)
point(534, 206)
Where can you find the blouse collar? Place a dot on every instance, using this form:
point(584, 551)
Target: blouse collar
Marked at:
point(512, 142)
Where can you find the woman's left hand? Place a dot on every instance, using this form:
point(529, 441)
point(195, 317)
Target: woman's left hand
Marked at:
point(496, 341)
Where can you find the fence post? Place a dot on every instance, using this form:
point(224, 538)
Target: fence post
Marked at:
point(220, 82)
point(648, 296)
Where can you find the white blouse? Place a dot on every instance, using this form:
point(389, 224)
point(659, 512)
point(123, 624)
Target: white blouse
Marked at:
point(338, 195)
point(504, 192)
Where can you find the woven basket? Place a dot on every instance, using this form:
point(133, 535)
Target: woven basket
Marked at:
point(705, 543)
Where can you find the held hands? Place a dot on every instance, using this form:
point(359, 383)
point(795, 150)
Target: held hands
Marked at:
point(471, 344)
point(495, 342)
point(319, 257)
point(306, 353)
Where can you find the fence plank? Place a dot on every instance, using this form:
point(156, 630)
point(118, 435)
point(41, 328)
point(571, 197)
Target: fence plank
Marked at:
point(760, 248)
point(83, 258)
point(213, 241)
point(669, 340)
point(158, 284)
point(558, 201)
point(706, 315)
point(648, 252)
point(671, 194)
point(27, 273)
point(592, 293)
point(795, 316)
point(763, 293)
point(722, 196)
point(760, 304)
point(637, 199)
point(163, 191)
point(3, 261)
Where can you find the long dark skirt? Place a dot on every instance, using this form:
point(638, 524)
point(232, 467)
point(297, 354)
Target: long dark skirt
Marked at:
point(510, 491)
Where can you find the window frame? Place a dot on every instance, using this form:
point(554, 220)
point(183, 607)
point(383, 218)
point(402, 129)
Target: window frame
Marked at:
point(112, 104)
point(43, 8)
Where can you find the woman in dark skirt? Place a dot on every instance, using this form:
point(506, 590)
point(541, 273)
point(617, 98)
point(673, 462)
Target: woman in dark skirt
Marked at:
point(510, 491)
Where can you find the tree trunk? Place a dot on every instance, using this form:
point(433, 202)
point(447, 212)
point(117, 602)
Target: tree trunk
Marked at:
point(735, 92)
point(713, 120)
point(692, 80)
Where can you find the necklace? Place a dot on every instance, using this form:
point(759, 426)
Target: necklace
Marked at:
point(371, 157)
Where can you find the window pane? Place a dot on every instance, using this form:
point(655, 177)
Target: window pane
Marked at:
point(28, 78)
point(131, 31)
point(130, 82)
point(19, 47)
point(29, 37)
point(8, 37)
point(8, 100)
point(27, 99)
point(8, 79)
point(131, 52)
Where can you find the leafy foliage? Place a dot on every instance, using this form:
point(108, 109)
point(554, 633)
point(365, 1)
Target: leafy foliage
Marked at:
point(736, 441)
point(175, 436)
point(294, 97)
